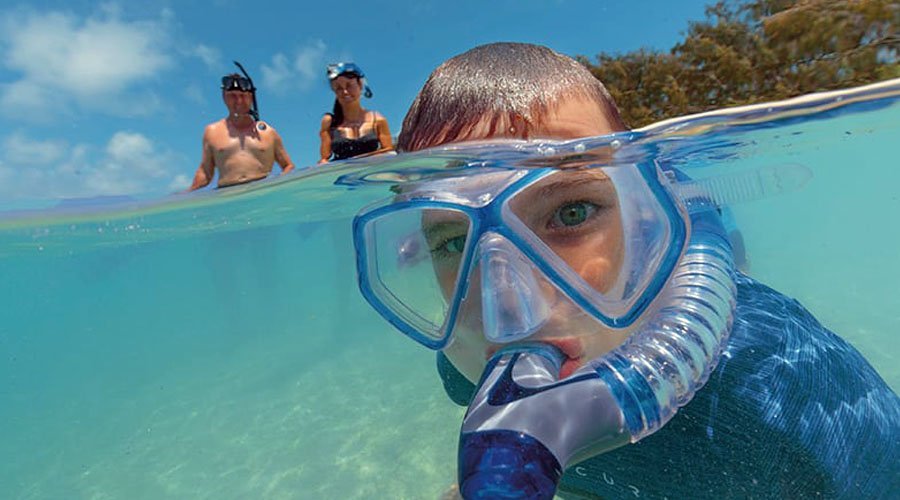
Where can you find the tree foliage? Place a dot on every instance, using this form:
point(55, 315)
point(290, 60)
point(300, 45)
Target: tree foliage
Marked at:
point(755, 51)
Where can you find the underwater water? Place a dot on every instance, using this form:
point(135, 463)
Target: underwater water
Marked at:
point(216, 346)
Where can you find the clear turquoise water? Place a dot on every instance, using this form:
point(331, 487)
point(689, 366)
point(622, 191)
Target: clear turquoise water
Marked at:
point(215, 346)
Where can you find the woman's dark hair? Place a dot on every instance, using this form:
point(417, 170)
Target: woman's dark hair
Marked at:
point(501, 85)
point(337, 114)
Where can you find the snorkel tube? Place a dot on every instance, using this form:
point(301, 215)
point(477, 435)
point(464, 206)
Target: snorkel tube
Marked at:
point(254, 111)
point(524, 425)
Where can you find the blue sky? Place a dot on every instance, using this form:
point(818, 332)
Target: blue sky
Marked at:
point(111, 98)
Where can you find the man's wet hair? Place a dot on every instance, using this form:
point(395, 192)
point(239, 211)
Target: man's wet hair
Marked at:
point(500, 86)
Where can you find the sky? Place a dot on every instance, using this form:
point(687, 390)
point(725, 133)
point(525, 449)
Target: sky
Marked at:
point(108, 99)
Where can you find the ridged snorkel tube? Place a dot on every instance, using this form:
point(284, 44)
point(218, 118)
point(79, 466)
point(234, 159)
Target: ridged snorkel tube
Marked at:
point(524, 425)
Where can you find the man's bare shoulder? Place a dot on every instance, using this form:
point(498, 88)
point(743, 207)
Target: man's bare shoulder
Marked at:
point(265, 129)
point(214, 128)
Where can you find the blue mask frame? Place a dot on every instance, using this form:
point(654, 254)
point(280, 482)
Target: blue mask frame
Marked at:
point(489, 218)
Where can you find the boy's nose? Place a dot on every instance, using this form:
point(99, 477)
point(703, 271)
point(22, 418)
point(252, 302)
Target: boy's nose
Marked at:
point(512, 303)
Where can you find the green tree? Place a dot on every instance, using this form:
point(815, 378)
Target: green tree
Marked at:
point(753, 51)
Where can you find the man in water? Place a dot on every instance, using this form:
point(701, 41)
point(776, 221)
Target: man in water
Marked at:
point(241, 147)
point(790, 411)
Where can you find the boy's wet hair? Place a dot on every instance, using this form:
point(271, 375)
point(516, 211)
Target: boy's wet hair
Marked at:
point(500, 86)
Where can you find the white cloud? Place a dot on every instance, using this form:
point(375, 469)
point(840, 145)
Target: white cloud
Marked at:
point(277, 74)
point(298, 71)
point(309, 61)
point(179, 183)
point(195, 93)
point(130, 163)
point(211, 57)
point(21, 150)
point(60, 58)
point(128, 146)
point(24, 99)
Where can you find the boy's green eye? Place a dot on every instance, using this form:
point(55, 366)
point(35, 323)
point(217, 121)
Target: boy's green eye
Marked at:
point(451, 246)
point(573, 214)
point(455, 245)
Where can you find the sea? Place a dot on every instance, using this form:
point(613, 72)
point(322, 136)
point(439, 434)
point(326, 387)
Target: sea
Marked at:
point(215, 345)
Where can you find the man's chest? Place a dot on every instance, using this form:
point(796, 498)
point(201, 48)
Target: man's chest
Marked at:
point(250, 143)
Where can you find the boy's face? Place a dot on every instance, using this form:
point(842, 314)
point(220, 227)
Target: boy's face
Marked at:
point(576, 214)
point(593, 249)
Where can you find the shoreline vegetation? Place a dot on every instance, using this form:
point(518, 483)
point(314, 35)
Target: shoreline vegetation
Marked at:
point(748, 52)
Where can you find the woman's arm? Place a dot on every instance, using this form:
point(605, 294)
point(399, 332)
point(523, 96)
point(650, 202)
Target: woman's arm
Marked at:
point(384, 133)
point(325, 137)
point(384, 137)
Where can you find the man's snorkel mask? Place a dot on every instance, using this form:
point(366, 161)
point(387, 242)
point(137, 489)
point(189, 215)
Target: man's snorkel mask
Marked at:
point(542, 269)
point(348, 69)
point(243, 84)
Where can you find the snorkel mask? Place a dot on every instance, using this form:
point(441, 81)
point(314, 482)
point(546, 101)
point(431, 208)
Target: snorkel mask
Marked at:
point(348, 69)
point(601, 297)
point(243, 84)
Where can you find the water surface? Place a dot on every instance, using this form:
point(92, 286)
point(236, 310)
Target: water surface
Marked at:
point(215, 345)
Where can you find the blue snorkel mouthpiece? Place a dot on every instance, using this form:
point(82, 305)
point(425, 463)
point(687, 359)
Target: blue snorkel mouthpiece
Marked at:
point(524, 425)
point(505, 463)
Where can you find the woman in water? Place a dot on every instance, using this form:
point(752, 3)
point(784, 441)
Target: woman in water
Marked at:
point(790, 410)
point(351, 130)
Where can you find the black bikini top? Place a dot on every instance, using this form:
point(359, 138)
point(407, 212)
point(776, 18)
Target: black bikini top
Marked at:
point(344, 147)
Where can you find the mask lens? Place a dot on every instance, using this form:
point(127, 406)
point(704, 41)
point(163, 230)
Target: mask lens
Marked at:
point(236, 83)
point(601, 230)
point(415, 256)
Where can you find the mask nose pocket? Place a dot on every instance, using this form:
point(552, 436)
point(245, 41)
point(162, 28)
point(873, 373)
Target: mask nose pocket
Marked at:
point(512, 301)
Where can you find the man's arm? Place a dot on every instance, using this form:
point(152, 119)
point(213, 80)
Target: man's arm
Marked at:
point(325, 136)
point(204, 173)
point(281, 155)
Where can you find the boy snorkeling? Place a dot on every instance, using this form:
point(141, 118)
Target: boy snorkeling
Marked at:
point(570, 277)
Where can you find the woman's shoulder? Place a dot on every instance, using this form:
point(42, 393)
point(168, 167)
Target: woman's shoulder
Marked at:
point(376, 116)
point(327, 118)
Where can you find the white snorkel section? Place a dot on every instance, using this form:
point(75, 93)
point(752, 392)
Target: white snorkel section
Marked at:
point(525, 426)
